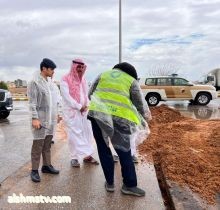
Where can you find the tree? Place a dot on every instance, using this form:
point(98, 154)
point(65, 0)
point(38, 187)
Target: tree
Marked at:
point(163, 70)
point(3, 85)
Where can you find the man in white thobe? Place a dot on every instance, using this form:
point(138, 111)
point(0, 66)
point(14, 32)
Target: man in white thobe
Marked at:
point(74, 92)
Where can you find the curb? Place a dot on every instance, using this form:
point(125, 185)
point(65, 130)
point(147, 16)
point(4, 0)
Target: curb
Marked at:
point(178, 197)
point(19, 99)
point(164, 187)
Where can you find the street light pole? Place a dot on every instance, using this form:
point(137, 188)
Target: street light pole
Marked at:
point(119, 31)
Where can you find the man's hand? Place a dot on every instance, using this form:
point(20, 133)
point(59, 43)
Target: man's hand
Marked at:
point(84, 109)
point(36, 123)
point(59, 118)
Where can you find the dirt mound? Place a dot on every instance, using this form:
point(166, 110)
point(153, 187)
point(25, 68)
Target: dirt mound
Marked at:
point(164, 114)
point(188, 150)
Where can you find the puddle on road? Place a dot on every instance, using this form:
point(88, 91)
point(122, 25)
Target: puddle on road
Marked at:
point(198, 112)
point(18, 108)
point(211, 111)
point(5, 121)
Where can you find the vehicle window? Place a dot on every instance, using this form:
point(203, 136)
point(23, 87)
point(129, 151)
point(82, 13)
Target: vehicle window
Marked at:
point(210, 78)
point(150, 81)
point(179, 81)
point(164, 81)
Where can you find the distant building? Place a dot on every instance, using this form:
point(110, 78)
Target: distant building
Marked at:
point(20, 83)
point(24, 83)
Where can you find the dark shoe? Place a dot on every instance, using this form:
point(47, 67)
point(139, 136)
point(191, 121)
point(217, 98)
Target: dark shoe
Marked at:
point(115, 158)
point(49, 169)
point(75, 163)
point(132, 191)
point(135, 159)
point(91, 160)
point(35, 176)
point(109, 187)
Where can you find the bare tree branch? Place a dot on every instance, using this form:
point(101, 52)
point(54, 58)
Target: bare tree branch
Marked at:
point(164, 70)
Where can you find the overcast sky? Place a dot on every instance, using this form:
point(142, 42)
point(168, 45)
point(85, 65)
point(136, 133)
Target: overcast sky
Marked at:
point(179, 34)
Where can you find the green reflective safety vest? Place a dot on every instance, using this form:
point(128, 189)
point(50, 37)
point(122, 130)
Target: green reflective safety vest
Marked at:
point(112, 96)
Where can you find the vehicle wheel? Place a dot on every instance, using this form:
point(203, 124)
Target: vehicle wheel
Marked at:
point(4, 115)
point(202, 99)
point(152, 99)
point(203, 113)
point(192, 102)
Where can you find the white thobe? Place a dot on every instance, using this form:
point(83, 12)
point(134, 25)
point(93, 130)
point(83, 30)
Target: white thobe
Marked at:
point(78, 127)
point(57, 104)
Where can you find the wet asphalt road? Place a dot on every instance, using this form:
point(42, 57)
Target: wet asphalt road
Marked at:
point(210, 111)
point(85, 185)
point(16, 138)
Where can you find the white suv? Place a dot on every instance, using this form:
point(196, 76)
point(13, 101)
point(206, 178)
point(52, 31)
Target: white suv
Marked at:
point(172, 88)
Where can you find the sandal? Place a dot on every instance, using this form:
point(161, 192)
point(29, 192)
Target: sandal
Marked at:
point(75, 163)
point(91, 160)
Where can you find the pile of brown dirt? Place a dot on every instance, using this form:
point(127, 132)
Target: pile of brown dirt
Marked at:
point(188, 150)
point(164, 114)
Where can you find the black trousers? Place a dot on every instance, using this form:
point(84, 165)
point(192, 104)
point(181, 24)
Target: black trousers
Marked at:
point(107, 163)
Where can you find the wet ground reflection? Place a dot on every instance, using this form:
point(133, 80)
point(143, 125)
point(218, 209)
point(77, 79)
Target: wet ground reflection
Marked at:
point(210, 111)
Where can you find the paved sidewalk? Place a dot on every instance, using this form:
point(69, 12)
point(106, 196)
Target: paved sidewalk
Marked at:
point(85, 186)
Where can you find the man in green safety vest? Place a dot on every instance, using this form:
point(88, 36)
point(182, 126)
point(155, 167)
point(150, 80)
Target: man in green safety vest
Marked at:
point(116, 109)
